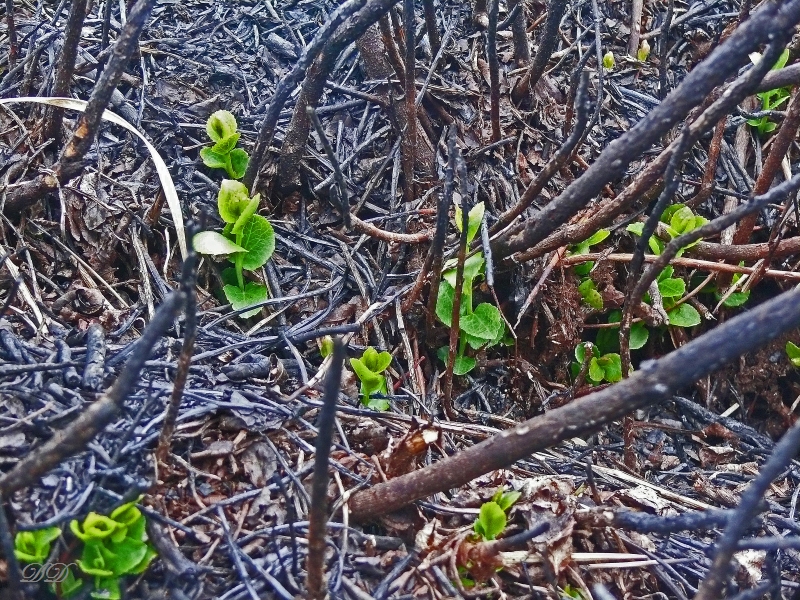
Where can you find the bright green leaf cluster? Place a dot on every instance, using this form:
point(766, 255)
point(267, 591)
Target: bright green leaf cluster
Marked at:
point(608, 60)
point(643, 52)
point(221, 128)
point(481, 326)
point(605, 367)
point(587, 288)
point(771, 99)
point(247, 238)
point(113, 546)
point(679, 219)
point(492, 518)
point(34, 546)
point(369, 369)
point(794, 353)
point(608, 337)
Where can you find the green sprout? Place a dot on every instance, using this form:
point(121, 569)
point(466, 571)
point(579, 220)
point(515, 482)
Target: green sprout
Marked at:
point(587, 288)
point(369, 369)
point(771, 99)
point(221, 128)
point(247, 238)
point(794, 354)
point(602, 367)
point(643, 52)
point(34, 546)
point(479, 327)
point(492, 518)
point(608, 60)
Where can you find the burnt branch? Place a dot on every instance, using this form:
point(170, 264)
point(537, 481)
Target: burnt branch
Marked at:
point(771, 22)
point(75, 436)
point(654, 382)
point(71, 160)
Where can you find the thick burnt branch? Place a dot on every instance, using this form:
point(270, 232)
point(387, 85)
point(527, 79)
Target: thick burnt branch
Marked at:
point(772, 23)
point(71, 161)
point(653, 382)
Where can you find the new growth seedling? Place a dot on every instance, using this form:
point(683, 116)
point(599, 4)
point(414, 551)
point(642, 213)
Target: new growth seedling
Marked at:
point(369, 370)
point(479, 327)
point(221, 128)
point(113, 546)
point(771, 99)
point(793, 352)
point(492, 518)
point(248, 239)
point(587, 288)
point(605, 367)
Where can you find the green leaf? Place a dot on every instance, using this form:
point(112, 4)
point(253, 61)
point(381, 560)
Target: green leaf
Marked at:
point(672, 287)
point(491, 521)
point(375, 361)
point(326, 346)
point(590, 295)
point(107, 589)
point(239, 160)
point(508, 499)
point(94, 527)
point(639, 335)
point(643, 52)
point(253, 293)
point(596, 371)
point(225, 145)
point(213, 243)
point(583, 269)
point(378, 404)
point(682, 220)
point(612, 367)
point(444, 303)
point(258, 238)
point(463, 365)
point(124, 556)
point(684, 315)
point(635, 228)
point(485, 322)
point(473, 266)
point(232, 200)
point(793, 352)
point(34, 546)
point(221, 125)
point(666, 272)
point(370, 380)
point(656, 245)
point(598, 237)
point(247, 211)
point(608, 60)
point(474, 219)
point(92, 561)
point(70, 584)
point(214, 160)
point(735, 299)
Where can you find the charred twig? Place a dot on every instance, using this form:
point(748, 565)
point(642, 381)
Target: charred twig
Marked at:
point(13, 46)
point(653, 382)
point(338, 176)
point(769, 22)
point(732, 95)
point(318, 513)
point(94, 371)
point(66, 67)
point(430, 25)
point(664, 51)
point(749, 506)
point(636, 26)
point(547, 44)
point(518, 19)
point(74, 437)
point(88, 125)
point(267, 130)
point(188, 283)
point(494, 70)
point(709, 175)
point(392, 51)
point(410, 83)
point(673, 180)
point(555, 163)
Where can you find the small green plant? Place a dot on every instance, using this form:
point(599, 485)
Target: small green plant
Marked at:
point(221, 128)
point(794, 354)
point(34, 546)
point(643, 52)
point(771, 99)
point(369, 369)
point(247, 238)
point(492, 518)
point(113, 546)
point(608, 60)
point(481, 327)
point(608, 337)
point(679, 219)
point(587, 288)
point(602, 367)
point(572, 593)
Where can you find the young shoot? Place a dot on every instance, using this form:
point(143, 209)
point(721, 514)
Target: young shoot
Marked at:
point(221, 128)
point(369, 369)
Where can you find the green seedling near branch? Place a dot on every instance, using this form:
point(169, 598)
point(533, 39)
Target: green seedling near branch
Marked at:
point(248, 239)
point(587, 288)
point(794, 354)
point(605, 367)
point(608, 61)
point(221, 128)
point(113, 546)
point(492, 518)
point(771, 99)
point(608, 337)
point(369, 369)
point(643, 52)
point(481, 327)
